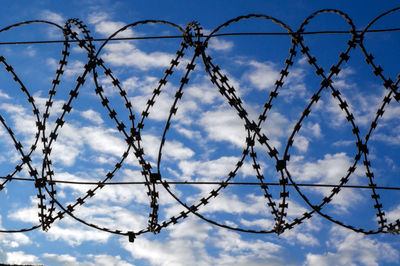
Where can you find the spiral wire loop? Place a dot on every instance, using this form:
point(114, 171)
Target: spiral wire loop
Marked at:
point(50, 209)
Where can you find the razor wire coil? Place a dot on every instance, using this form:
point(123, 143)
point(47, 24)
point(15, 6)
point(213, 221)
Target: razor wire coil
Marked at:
point(50, 209)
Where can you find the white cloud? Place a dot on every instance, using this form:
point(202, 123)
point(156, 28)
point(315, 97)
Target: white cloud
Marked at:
point(60, 259)
point(30, 51)
point(76, 235)
point(262, 75)
point(28, 214)
point(393, 214)
point(337, 116)
point(237, 205)
point(23, 123)
point(68, 145)
point(220, 44)
point(65, 153)
point(315, 129)
point(328, 170)
point(354, 249)
point(295, 209)
point(114, 217)
point(106, 28)
point(173, 252)
point(106, 260)
point(161, 109)
point(364, 106)
point(217, 169)
point(19, 257)
point(126, 54)
point(109, 194)
point(176, 150)
point(53, 17)
point(74, 68)
point(97, 17)
point(224, 125)
point(294, 85)
point(13, 240)
point(305, 234)
point(310, 131)
point(4, 95)
point(92, 116)
point(260, 223)
point(343, 143)
point(172, 149)
point(191, 134)
point(276, 127)
point(143, 84)
point(191, 228)
point(191, 245)
point(234, 250)
point(301, 143)
point(203, 92)
point(103, 140)
point(55, 109)
point(92, 260)
point(341, 81)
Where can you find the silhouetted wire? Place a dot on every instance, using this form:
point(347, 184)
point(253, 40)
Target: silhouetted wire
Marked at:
point(193, 38)
point(214, 35)
point(199, 183)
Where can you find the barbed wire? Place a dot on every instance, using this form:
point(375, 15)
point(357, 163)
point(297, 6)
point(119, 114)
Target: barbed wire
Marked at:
point(204, 35)
point(193, 39)
point(201, 183)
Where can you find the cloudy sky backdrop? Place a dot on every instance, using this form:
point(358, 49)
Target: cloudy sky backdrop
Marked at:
point(206, 137)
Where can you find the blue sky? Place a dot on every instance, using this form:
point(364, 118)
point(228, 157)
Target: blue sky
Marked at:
point(206, 137)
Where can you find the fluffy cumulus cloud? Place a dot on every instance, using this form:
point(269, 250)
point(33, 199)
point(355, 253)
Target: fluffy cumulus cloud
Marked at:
point(19, 257)
point(263, 75)
point(126, 54)
point(176, 252)
point(224, 125)
point(190, 243)
point(182, 247)
point(327, 170)
point(60, 259)
point(212, 169)
point(13, 240)
point(233, 204)
point(75, 235)
point(92, 116)
point(354, 249)
point(172, 149)
point(104, 26)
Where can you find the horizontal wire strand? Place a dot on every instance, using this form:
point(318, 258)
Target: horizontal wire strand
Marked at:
point(215, 35)
point(201, 183)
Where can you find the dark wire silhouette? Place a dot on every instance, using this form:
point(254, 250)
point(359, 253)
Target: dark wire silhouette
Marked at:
point(204, 35)
point(193, 39)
